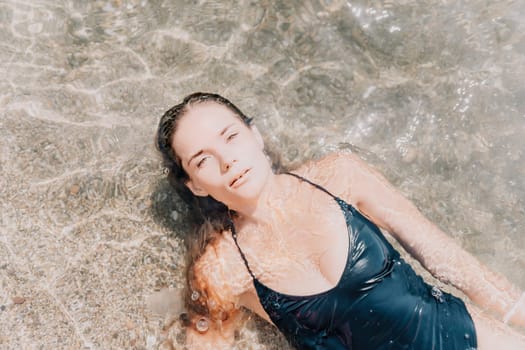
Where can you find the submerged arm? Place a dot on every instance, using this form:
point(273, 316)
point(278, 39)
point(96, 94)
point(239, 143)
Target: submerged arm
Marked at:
point(375, 197)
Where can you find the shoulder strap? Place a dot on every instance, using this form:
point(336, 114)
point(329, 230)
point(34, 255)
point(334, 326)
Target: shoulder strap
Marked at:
point(234, 232)
point(313, 184)
point(234, 235)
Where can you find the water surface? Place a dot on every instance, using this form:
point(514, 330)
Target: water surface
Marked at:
point(430, 92)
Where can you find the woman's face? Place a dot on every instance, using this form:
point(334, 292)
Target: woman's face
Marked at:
point(223, 156)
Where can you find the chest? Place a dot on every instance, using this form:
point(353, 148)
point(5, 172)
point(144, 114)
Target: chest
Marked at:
point(304, 254)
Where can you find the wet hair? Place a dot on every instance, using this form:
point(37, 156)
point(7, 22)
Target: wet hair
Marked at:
point(210, 216)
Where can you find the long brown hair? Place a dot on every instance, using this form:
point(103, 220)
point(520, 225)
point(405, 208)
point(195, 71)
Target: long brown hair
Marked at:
point(210, 217)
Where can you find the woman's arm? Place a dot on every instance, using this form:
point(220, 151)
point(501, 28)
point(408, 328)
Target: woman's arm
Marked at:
point(376, 198)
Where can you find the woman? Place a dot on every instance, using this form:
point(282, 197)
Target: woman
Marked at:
point(303, 249)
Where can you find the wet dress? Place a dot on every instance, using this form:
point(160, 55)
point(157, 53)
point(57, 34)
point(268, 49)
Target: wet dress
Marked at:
point(378, 303)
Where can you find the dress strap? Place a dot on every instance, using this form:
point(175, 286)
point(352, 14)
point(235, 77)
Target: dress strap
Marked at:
point(313, 184)
point(234, 235)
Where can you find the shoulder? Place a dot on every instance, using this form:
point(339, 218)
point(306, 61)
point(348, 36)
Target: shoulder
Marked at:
point(221, 275)
point(333, 164)
point(335, 171)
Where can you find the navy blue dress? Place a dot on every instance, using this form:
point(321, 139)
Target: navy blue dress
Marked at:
point(379, 302)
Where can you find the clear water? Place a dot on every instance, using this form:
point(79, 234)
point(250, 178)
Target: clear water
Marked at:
point(430, 92)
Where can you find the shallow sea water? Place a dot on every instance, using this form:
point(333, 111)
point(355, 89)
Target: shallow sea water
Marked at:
point(430, 92)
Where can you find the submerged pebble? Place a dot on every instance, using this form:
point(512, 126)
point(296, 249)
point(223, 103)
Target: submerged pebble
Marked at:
point(73, 190)
point(18, 300)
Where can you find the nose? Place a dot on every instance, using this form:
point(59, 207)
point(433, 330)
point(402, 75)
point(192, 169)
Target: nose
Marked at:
point(227, 161)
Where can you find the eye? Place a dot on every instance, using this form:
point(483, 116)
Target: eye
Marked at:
point(232, 136)
point(202, 162)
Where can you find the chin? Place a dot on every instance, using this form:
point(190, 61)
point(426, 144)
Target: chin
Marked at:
point(254, 185)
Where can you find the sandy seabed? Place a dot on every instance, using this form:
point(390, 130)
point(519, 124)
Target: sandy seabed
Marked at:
point(91, 235)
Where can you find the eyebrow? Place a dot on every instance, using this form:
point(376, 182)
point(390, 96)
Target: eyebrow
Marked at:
point(226, 129)
point(223, 131)
point(194, 156)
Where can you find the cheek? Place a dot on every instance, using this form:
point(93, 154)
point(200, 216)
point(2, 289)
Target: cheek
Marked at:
point(251, 151)
point(208, 176)
point(261, 157)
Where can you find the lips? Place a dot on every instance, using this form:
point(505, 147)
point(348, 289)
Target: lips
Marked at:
point(238, 177)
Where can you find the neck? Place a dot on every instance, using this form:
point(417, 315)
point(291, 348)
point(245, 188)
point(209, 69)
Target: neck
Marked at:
point(260, 211)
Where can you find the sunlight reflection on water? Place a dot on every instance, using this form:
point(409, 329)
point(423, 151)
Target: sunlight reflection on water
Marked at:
point(431, 92)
